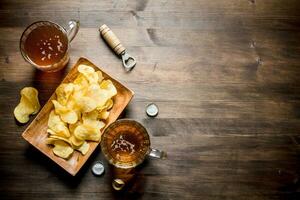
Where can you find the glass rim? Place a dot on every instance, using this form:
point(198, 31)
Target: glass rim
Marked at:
point(26, 57)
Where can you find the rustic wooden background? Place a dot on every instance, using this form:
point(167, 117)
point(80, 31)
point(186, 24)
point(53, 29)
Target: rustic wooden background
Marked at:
point(224, 73)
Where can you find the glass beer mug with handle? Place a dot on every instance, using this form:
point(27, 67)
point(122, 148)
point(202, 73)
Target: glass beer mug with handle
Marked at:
point(45, 44)
point(126, 143)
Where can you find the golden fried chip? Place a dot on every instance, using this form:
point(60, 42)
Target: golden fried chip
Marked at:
point(75, 142)
point(96, 137)
point(103, 115)
point(63, 92)
point(57, 125)
point(100, 95)
point(90, 116)
point(100, 76)
point(32, 95)
point(50, 141)
point(87, 132)
point(89, 73)
point(85, 69)
point(60, 138)
point(62, 149)
point(79, 108)
point(51, 132)
point(84, 148)
point(109, 104)
point(23, 110)
point(81, 81)
point(86, 104)
point(73, 126)
point(91, 120)
point(67, 115)
point(29, 104)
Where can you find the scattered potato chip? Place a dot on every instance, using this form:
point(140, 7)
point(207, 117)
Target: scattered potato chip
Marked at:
point(29, 104)
point(79, 108)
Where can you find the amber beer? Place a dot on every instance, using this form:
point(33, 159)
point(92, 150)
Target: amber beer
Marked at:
point(45, 44)
point(125, 143)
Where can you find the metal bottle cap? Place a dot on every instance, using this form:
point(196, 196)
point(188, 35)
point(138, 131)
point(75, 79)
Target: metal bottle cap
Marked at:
point(118, 184)
point(98, 168)
point(152, 110)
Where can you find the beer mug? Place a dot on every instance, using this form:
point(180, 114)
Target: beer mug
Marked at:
point(45, 44)
point(126, 143)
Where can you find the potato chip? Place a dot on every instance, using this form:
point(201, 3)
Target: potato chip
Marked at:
point(73, 126)
point(103, 115)
point(29, 104)
point(75, 142)
point(57, 125)
point(96, 137)
point(87, 104)
point(91, 120)
point(87, 132)
point(81, 81)
point(60, 138)
point(81, 132)
point(89, 73)
point(51, 132)
point(79, 108)
point(72, 105)
point(90, 116)
point(85, 69)
point(100, 95)
point(109, 104)
point(67, 115)
point(84, 148)
point(32, 95)
point(63, 92)
point(50, 141)
point(100, 76)
point(62, 149)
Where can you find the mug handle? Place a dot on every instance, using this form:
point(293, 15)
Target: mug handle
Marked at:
point(72, 30)
point(155, 153)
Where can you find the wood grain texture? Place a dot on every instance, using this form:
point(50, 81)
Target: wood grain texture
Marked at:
point(225, 75)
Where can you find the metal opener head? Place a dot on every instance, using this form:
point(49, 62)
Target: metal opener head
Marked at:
point(128, 61)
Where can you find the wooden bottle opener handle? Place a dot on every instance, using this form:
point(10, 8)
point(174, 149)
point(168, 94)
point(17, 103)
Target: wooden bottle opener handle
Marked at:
point(111, 39)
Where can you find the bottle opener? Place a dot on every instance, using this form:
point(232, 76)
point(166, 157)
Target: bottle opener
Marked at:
point(111, 39)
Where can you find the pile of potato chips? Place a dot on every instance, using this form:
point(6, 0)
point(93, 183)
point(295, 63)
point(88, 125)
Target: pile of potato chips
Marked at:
point(29, 104)
point(80, 111)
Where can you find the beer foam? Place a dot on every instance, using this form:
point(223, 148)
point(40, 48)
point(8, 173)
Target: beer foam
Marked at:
point(122, 145)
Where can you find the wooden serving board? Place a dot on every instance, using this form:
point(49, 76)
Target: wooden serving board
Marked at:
point(36, 133)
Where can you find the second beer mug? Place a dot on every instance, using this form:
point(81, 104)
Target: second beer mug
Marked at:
point(126, 143)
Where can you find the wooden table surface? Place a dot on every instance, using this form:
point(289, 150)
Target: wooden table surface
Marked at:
point(225, 75)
